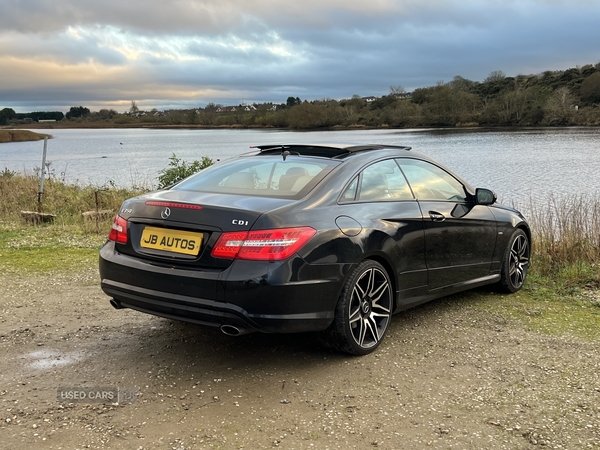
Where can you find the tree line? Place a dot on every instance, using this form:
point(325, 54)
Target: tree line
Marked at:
point(8, 114)
point(552, 98)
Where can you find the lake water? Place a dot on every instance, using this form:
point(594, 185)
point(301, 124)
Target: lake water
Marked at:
point(518, 164)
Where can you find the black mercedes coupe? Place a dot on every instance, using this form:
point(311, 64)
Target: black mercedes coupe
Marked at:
point(333, 239)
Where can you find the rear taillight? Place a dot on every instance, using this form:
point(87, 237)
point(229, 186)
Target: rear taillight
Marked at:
point(262, 245)
point(118, 231)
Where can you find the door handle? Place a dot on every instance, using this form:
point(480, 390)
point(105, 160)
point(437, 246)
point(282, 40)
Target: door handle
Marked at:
point(436, 216)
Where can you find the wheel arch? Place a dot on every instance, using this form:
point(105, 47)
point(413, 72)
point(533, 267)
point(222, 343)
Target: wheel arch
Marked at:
point(387, 265)
point(523, 226)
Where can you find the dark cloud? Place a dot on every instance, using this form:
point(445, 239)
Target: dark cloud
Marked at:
point(186, 52)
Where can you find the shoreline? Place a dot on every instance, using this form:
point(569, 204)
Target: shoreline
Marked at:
point(24, 133)
point(106, 125)
point(20, 135)
point(25, 128)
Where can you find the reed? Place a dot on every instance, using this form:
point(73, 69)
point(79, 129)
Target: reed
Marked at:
point(19, 192)
point(566, 238)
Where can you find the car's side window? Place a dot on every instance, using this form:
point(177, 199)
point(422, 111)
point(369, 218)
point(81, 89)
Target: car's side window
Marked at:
point(350, 192)
point(382, 181)
point(429, 182)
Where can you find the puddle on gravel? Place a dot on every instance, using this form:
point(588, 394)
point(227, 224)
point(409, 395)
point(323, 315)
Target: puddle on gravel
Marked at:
point(51, 359)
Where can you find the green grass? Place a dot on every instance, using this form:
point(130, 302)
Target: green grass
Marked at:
point(43, 249)
point(544, 307)
point(562, 307)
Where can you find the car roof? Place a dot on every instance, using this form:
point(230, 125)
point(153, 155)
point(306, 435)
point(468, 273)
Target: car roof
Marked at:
point(342, 151)
point(324, 150)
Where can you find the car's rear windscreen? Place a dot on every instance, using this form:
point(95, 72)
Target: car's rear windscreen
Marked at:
point(265, 176)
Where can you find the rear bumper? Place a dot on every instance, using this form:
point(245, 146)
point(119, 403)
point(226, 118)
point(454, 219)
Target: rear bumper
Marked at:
point(211, 313)
point(273, 297)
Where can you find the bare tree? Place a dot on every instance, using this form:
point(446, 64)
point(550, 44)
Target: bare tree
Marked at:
point(397, 90)
point(559, 107)
point(496, 75)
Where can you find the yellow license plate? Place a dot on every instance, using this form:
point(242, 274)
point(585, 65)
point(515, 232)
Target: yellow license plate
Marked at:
point(176, 241)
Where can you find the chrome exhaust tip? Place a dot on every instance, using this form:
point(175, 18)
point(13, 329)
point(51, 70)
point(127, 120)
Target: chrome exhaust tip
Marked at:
point(232, 330)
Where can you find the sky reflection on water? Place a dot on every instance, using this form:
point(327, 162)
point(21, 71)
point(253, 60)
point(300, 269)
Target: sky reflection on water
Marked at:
point(520, 165)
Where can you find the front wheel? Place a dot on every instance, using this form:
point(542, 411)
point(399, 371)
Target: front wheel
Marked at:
point(515, 262)
point(363, 311)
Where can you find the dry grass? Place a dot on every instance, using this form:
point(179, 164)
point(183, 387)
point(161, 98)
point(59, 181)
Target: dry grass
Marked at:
point(566, 234)
point(67, 202)
point(21, 136)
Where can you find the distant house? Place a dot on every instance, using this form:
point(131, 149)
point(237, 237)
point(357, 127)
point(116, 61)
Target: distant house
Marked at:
point(226, 109)
point(245, 108)
point(403, 96)
point(369, 99)
point(46, 120)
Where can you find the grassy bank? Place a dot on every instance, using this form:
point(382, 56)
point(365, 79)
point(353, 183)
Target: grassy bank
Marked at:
point(561, 295)
point(21, 136)
point(67, 244)
point(68, 202)
point(567, 239)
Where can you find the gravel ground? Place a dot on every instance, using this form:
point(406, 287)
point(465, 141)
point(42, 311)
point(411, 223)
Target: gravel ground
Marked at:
point(449, 376)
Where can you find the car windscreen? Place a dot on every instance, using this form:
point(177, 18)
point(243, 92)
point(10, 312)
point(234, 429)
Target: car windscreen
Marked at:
point(265, 176)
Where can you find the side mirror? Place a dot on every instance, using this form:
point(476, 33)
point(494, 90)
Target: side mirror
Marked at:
point(485, 196)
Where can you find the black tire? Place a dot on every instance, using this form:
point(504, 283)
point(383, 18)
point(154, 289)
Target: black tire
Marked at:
point(515, 262)
point(363, 311)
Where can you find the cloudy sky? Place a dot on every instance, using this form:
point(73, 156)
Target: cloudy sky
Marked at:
point(181, 53)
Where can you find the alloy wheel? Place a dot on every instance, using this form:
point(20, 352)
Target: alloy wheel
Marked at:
point(519, 261)
point(370, 308)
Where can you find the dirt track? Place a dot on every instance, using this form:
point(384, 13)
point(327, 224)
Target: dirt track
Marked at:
point(448, 375)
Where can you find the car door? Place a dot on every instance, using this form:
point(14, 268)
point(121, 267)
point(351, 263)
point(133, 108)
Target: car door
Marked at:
point(383, 203)
point(460, 236)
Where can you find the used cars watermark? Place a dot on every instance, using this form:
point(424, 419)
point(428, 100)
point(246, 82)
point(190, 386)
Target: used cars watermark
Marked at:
point(96, 394)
